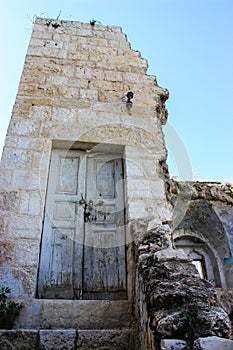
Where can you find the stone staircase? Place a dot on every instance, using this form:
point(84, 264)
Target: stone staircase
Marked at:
point(72, 325)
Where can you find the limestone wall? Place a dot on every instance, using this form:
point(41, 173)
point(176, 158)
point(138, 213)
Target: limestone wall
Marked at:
point(73, 89)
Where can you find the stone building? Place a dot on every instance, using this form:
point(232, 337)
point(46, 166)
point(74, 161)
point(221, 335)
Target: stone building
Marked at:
point(97, 241)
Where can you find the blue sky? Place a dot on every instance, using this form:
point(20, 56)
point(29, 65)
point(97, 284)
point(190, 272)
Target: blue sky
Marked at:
point(189, 47)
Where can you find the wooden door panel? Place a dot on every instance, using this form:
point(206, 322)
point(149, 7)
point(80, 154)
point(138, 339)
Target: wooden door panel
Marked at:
point(105, 178)
point(63, 227)
point(65, 210)
point(104, 250)
point(104, 274)
point(67, 181)
point(61, 262)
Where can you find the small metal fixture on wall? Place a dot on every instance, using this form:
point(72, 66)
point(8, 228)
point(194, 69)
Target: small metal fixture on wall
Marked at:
point(129, 103)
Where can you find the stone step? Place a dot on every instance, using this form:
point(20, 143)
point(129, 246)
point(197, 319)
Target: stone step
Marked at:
point(68, 339)
point(75, 314)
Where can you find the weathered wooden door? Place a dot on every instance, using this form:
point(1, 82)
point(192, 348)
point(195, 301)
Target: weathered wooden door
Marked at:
point(104, 241)
point(83, 243)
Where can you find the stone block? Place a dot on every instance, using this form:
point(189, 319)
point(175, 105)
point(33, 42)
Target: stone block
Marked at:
point(81, 55)
point(171, 254)
point(6, 250)
point(213, 343)
point(30, 203)
point(137, 208)
point(105, 339)
point(85, 32)
point(29, 317)
point(58, 339)
point(58, 80)
point(18, 339)
point(41, 34)
point(69, 71)
point(25, 222)
point(75, 314)
point(11, 141)
point(25, 234)
point(37, 42)
point(16, 158)
point(83, 73)
point(47, 52)
point(5, 179)
point(23, 179)
point(63, 115)
point(146, 188)
point(27, 253)
point(16, 280)
point(56, 44)
point(40, 112)
point(8, 200)
point(29, 143)
point(114, 76)
point(89, 94)
point(163, 212)
point(173, 344)
point(71, 46)
point(108, 96)
point(134, 168)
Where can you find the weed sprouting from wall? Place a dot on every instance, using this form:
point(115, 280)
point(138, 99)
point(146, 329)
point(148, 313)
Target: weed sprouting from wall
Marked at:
point(9, 310)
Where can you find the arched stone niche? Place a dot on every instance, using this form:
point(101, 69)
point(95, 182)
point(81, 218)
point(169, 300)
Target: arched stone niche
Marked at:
point(202, 233)
point(198, 249)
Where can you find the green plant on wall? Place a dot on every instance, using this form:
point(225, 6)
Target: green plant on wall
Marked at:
point(9, 310)
point(190, 313)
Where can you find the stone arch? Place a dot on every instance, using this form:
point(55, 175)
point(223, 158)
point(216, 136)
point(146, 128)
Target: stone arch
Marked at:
point(202, 226)
point(197, 247)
